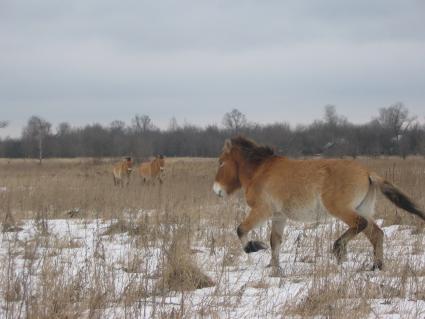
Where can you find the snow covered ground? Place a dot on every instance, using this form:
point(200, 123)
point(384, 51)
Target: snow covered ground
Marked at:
point(76, 260)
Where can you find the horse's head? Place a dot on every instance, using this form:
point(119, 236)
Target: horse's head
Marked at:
point(161, 162)
point(227, 177)
point(129, 164)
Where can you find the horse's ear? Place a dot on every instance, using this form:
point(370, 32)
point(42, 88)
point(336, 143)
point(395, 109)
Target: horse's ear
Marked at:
point(227, 146)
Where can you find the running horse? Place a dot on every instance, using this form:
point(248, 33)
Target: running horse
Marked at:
point(153, 169)
point(279, 188)
point(122, 170)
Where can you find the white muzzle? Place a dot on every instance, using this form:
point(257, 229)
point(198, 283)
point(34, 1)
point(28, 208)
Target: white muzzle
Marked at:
point(219, 190)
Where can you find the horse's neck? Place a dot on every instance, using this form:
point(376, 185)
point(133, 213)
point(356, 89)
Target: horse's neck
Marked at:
point(153, 165)
point(246, 173)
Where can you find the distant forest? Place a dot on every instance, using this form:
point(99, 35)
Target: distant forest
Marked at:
point(394, 131)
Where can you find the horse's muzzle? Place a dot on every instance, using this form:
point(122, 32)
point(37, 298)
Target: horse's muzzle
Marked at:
point(218, 190)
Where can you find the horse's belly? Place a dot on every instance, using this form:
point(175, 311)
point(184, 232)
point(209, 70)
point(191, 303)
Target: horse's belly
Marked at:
point(145, 174)
point(308, 211)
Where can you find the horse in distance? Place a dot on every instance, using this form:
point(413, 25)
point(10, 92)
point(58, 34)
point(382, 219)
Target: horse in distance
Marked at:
point(152, 170)
point(279, 188)
point(121, 171)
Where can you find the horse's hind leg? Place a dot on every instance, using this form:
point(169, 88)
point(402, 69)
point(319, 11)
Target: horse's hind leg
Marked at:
point(356, 224)
point(372, 231)
point(254, 218)
point(376, 238)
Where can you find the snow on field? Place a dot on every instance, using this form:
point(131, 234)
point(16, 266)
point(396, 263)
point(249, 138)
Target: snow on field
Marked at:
point(243, 288)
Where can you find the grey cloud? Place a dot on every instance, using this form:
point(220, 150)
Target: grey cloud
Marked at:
point(176, 57)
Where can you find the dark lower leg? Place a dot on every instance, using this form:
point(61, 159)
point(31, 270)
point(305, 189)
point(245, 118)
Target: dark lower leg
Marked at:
point(247, 225)
point(376, 238)
point(340, 245)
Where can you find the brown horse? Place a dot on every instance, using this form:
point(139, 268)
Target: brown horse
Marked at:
point(153, 169)
point(122, 170)
point(304, 190)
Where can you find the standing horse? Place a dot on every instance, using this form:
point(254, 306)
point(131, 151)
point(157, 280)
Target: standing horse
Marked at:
point(122, 170)
point(153, 169)
point(304, 190)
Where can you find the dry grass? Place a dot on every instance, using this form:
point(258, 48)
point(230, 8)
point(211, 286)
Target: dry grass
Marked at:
point(180, 272)
point(178, 237)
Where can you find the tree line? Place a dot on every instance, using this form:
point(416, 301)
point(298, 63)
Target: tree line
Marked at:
point(392, 132)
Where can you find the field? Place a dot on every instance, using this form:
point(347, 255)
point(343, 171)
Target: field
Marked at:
point(75, 246)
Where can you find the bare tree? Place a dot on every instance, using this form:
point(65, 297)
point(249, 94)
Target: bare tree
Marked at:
point(395, 120)
point(142, 123)
point(394, 131)
point(63, 129)
point(36, 130)
point(117, 126)
point(332, 118)
point(173, 125)
point(65, 143)
point(3, 124)
point(234, 120)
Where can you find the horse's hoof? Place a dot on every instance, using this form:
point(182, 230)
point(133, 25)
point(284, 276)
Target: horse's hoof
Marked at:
point(273, 263)
point(377, 265)
point(276, 271)
point(340, 252)
point(253, 246)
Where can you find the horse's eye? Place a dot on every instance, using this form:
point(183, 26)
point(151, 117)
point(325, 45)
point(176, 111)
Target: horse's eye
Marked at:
point(220, 164)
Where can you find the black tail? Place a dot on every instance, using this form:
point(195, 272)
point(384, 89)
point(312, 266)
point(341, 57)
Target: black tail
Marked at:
point(400, 199)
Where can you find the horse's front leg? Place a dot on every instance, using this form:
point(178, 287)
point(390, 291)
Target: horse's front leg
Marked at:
point(278, 224)
point(255, 218)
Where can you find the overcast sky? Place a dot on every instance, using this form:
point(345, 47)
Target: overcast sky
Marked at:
point(85, 61)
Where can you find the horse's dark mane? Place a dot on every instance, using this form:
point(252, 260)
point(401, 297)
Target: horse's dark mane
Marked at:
point(251, 151)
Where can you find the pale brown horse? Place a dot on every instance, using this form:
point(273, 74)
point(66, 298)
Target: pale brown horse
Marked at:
point(279, 188)
point(122, 170)
point(153, 169)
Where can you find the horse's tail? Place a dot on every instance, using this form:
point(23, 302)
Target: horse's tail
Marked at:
point(397, 196)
